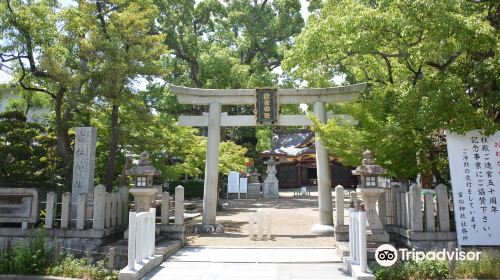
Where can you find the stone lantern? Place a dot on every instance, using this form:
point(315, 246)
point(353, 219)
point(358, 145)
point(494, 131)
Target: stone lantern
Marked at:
point(369, 174)
point(270, 187)
point(143, 192)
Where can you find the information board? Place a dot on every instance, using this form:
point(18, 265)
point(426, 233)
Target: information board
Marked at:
point(475, 177)
point(233, 182)
point(243, 185)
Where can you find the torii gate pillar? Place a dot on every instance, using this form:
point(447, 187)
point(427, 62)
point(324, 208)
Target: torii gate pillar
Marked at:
point(212, 164)
point(325, 225)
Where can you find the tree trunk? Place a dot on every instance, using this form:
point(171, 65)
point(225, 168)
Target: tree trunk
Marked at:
point(113, 146)
point(63, 142)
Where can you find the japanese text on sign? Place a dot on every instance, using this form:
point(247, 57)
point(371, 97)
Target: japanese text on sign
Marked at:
point(475, 176)
point(266, 108)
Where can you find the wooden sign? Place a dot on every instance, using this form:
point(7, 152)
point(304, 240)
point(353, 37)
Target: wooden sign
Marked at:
point(266, 107)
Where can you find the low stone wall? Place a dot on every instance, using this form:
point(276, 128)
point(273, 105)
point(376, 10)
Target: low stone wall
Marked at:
point(76, 242)
point(425, 241)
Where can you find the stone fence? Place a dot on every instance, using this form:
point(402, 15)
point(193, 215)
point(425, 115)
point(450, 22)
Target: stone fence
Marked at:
point(417, 218)
point(100, 211)
point(413, 217)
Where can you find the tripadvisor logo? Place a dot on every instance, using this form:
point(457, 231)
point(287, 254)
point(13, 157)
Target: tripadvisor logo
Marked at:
point(386, 255)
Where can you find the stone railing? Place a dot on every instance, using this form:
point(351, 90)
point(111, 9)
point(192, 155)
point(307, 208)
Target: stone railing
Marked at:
point(100, 211)
point(357, 262)
point(141, 237)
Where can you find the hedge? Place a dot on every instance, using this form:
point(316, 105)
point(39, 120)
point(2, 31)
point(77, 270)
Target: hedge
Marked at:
point(192, 188)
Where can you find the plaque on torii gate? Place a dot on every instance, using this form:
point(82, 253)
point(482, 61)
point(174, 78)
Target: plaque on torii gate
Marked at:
point(266, 102)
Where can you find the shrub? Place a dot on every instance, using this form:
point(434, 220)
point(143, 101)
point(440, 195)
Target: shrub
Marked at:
point(72, 267)
point(411, 270)
point(488, 267)
point(30, 256)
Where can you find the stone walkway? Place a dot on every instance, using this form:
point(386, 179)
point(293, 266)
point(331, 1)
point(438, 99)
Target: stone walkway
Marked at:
point(292, 253)
point(251, 263)
point(292, 219)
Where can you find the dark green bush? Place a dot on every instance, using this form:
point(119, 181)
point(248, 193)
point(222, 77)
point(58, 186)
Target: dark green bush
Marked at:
point(192, 188)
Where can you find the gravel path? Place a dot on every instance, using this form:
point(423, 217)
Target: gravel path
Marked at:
point(292, 219)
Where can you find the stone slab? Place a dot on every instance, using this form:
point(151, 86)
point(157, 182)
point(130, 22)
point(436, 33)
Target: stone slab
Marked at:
point(19, 205)
point(84, 161)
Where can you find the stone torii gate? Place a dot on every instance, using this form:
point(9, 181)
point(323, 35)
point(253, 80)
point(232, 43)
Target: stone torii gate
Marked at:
point(215, 98)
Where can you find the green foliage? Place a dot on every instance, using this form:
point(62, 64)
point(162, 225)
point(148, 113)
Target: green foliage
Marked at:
point(486, 268)
point(411, 270)
point(27, 149)
point(36, 256)
point(426, 75)
point(82, 268)
point(29, 256)
point(192, 188)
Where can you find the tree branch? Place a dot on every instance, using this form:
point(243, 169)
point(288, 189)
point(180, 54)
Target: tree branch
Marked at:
point(26, 87)
point(447, 63)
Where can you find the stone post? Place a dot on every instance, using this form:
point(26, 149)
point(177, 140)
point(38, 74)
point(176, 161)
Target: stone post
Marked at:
point(99, 207)
point(442, 205)
point(84, 163)
point(415, 199)
point(65, 209)
point(119, 209)
point(179, 205)
point(124, 194)
point(81, 211)
point(382, 207)
point(165, 208)
point(50, 209)
point(430, 222)
point(339, 204)
point(212, 164)
point(325, 225)
point(107, 211)
point(408, 210)
point(114, 208)
point(354, 198)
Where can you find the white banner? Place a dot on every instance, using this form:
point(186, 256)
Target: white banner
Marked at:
point(233, 182)
point(475, 178)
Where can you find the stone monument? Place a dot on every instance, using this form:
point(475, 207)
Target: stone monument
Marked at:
point(83, 164)
point(369, 172)
point(271, 186)
point(254, 185)
point(143, 192)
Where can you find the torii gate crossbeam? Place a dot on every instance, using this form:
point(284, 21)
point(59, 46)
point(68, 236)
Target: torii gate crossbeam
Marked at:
point(215, 98)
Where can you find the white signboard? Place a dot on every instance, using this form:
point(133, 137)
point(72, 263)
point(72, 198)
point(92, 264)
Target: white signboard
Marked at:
point(243, 185)
point(475, 178)
point(233, 182)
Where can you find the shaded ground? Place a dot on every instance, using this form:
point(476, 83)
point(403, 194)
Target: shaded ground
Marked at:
point(292, 219)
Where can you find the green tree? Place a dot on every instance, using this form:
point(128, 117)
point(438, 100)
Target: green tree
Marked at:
point(432, 65)
point(85, 57)
point(28, 151)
